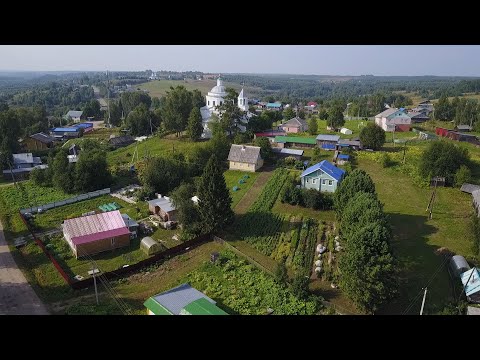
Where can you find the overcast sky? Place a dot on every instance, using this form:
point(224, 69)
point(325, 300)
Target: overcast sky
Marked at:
point(459, 60)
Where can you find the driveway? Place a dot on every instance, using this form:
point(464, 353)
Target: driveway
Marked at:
point(16, 295)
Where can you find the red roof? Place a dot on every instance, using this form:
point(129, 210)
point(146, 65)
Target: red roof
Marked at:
point(312, 103)
point(91, 228)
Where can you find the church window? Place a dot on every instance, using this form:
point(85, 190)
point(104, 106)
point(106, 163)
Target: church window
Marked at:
point(208, 103)
point(213, 102)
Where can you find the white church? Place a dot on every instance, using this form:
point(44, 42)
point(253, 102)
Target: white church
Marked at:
point(214, 98)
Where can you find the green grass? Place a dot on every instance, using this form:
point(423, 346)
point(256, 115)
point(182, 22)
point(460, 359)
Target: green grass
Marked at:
point(151, 147)
point(164, 237)
point(106, 261)
point(232, 178)
point(416, 238)
point(159, 88)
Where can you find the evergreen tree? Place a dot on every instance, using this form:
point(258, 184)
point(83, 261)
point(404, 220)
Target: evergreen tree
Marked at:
point(312, 125)
point(214, 198)
point(335, 117)
point(194, 127)
point(62, 172)
point(354, 183)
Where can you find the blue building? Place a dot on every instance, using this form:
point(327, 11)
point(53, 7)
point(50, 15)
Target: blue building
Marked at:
point(324, 177)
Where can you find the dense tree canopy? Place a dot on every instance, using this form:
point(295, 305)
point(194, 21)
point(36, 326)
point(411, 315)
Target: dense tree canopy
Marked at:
point(335, 117)
point(372, 136)
point(442, 158)
point(194, 126)
point(162, 175)
point(91, 171)
point(141, 121)
point(176, 109)
point(187, 210)
point(265, 147)
point(130, 100)
point(354, 183)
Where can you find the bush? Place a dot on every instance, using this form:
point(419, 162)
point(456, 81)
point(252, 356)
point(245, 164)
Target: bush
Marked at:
point(386, 160)
point(372, 136)
point(463, 175)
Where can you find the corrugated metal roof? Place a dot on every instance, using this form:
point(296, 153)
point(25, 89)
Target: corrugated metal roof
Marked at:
point(274, 105)
point(164, 203)
point(288, 151)
point(202, 307)
point(65, 129)
point(244, 154)
point(469, 188)
point(174, 300)
point(74, 113)
point(327, 168)
point(295, 139)
point(473, 285)
point(387, 112)
point(44, 138)
point(327, 137)
point(25, 158)
point(95, 227)
point(344, 156)
point(295, 122)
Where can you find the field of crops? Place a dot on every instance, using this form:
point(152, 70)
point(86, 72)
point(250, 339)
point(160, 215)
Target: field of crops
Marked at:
point(241, 288)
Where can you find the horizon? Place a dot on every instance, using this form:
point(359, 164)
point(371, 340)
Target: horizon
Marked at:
point(315, 60)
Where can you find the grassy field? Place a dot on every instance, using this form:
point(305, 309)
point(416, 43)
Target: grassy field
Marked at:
point(232, 178)
point(416, 238)
point(159, 88)
point(151, 147)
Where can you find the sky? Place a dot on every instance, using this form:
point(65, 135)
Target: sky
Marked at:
point(380, 60)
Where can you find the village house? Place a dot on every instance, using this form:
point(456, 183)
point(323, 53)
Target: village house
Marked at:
point(324, 177)
point(294, 125)
point(350, 143)
point(65, 132)
point(270, 134)
point(327, 142)
point(393, 120)
point(22, 165)
point(163, 207)
point(245, 158)
point(74, 115)
point(93, 234)
point(182, 300)
point(283, 153)
point(121, 141)
point(277, 106)
point(38, 141)
point(418, 117)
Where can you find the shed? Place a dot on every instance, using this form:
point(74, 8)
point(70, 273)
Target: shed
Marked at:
point(283, 152)
point(469, 188)
point(471, 283)
point(458, 264)
point(150, 246)
point(346, 131)
point(463, 128)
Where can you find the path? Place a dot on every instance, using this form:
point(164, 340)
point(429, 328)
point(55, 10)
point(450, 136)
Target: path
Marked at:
point(16, 295)
point(254, 192)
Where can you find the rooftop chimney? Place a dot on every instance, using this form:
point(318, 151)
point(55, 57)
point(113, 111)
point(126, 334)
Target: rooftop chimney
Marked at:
point(243, 147)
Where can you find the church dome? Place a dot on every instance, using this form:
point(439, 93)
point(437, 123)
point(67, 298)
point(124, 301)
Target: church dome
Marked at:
point(218, 90)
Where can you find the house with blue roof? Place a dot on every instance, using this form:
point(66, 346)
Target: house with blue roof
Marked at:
point(324, 177)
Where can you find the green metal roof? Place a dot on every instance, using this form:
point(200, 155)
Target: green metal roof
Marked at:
point(202, 307)
point(295, 139)
point(155, 307)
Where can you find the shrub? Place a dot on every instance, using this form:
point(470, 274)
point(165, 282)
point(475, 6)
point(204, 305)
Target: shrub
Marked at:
point(463, 175)
point(386, 160)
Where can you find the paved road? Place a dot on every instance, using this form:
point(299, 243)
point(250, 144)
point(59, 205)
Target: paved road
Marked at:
point(16, 295)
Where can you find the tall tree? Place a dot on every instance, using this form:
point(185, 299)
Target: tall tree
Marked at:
point(288, 113)
point(265, 147)
point(177, 108)
point(115, 113)
point(195, 127)
point(62, 171)
point(367, 267)
point(214, 198)
point(187, 210)
point(442, 158)
point(230, 113)
point(130, 100)
point(335, 117)
point(92, 108)
point(92, 171)
point(141, 121)
point(198, 100)
point(443, 109)
point(162, 175)
point(313, 125)
point(354, 183)
point(372, 136)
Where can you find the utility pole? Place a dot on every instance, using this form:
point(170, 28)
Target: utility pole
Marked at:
point(95, 283)
point(423, 302)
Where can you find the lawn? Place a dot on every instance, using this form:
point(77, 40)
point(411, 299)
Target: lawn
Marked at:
point(151, 147)
point(416, 238)
point(232, 178)
point(25, 194)
point(159, 88)
point(106, 261)
point(164, 237)
point(53, 218)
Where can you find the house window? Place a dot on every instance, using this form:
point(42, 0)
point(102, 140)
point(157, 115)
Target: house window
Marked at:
point(330, 182)
point(307, 181)
point(314, 181)
point(208, 102)
point(324, 182)
point(112, 241)
point(213, 102)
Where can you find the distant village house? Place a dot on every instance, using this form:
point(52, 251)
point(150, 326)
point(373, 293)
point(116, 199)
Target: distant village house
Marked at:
point(245, 158)
point(324, 177)
point(393, 120)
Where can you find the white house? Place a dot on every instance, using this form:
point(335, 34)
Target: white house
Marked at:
point(76, 116)
point(393, 120)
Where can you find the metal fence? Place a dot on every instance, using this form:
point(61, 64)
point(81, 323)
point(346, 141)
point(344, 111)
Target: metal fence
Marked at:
point(55, 204)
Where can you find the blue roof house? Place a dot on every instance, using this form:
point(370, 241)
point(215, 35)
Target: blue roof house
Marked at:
point(324, 177)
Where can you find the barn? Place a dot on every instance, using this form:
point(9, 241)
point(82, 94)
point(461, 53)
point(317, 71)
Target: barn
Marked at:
point(163, 207)
point(92, 234)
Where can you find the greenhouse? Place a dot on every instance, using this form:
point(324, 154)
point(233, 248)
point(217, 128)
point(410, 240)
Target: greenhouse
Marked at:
point(150, 246)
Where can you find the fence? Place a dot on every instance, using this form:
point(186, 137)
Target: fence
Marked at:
point(82, 284)
point(73, 200)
